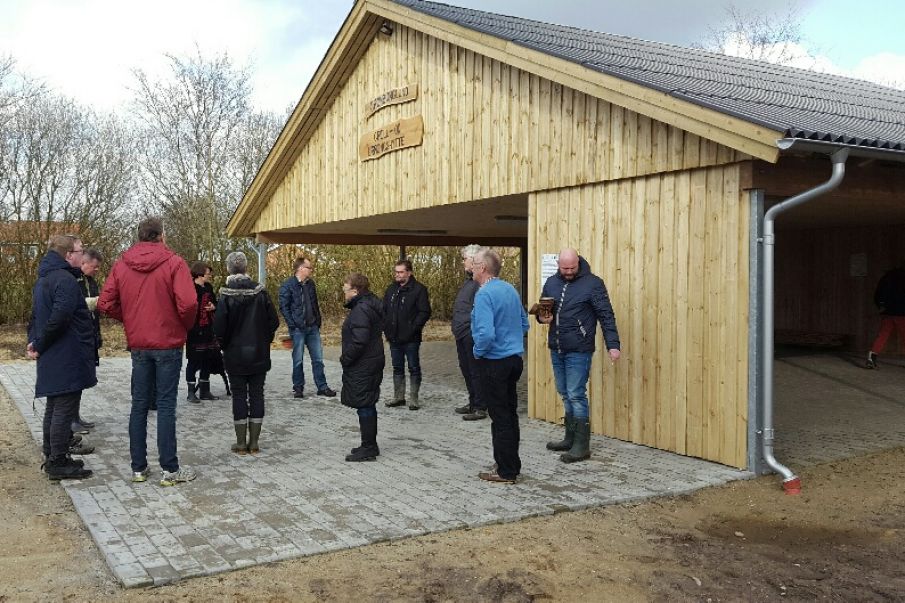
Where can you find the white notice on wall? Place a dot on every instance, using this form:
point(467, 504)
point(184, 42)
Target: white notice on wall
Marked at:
point(548, 267)
point(857, 265)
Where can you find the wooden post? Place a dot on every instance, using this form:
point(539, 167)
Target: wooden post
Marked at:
point(523, 271)
point(401, 252)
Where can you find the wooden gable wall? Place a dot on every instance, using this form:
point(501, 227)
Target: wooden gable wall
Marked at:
point(489, 130)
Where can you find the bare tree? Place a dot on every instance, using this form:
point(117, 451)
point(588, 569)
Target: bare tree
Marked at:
point(763, 37)
point(201, 144)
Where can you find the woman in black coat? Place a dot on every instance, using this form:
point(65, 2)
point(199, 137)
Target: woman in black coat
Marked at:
point(245, 323)
point(200, 342)
point(362, 360)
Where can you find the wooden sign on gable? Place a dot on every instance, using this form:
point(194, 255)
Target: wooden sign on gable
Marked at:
point(396, 96)
point(392, 137)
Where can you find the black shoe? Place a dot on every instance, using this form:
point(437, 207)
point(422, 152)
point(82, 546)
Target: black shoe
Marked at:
point(365, 453)
point(477, 415)
point(77, 462)
point(326, 393)
point(360, 448)
point(393, 403)
point(64, 469)
point(298, 393)
point(75, 439)
point(81, 448)
point(463, 410)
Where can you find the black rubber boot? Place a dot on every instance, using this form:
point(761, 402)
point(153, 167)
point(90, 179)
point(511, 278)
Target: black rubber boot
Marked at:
point(566, 442)
point(241, 446)
point(254, 432)
point(204, 387)
point(581, 447)
point(368, 451)
point(191, 397)
point(414, 394)
point(398, 391)
point(65, 469)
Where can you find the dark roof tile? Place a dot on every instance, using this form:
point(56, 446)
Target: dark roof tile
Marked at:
point(797, 102)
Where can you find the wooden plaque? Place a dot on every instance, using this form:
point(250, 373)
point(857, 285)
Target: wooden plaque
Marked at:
point(396, 96)
point(392, 137)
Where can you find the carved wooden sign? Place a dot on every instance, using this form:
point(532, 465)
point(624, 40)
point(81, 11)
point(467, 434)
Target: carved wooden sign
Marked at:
point(391, 97)
point(392, 137)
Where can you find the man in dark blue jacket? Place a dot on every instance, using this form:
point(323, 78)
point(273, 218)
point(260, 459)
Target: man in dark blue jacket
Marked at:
point(61, 338)
point(580, 301)
point(300, 310)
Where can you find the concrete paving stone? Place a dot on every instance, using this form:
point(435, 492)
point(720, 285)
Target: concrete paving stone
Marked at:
point(300, 497)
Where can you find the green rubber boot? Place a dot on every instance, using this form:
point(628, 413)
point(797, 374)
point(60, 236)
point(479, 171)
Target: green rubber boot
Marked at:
point(240, 447)
point(581, 446)
point(566, 442)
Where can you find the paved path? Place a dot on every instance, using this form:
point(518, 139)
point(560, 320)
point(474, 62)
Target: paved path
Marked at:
point(299, 497)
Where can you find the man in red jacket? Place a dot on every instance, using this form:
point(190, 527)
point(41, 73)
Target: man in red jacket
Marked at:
point(150, 290)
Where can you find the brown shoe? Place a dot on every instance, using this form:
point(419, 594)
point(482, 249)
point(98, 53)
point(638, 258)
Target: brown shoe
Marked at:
point(493, 476)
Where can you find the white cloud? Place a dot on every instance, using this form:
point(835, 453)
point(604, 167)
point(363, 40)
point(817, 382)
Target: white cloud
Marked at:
point(885, 68)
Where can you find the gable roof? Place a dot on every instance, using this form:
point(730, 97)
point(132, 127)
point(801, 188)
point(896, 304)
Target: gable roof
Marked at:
point(799, 103)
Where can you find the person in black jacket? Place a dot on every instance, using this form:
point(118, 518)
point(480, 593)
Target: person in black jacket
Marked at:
point(362, 360)
point(580, 302)
point(406, 309)
point(200, 342)
point(476, 409)
point(91, 262)
point(245, 322)
point(890, 298)
point(61, 339)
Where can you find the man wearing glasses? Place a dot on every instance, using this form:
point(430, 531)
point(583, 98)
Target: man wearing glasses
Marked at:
point(406, 309)
point(61, 339)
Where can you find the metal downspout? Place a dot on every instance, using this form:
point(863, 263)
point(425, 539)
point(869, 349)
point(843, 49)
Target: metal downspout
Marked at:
point(791, 482)
point(261, 248)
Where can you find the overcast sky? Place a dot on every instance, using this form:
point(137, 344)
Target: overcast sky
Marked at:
point(86, 48)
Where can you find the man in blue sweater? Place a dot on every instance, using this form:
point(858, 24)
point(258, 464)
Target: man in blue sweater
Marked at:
point(580, 302)
point(498, 327)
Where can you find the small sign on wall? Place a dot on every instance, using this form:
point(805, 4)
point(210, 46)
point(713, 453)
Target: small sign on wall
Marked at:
point(548, 267)
point(392, 137)
point(395, 96)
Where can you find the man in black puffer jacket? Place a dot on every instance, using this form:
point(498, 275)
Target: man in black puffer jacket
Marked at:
point(362, 360)
point(244, 323)
point(580, 302)
point(406, 309)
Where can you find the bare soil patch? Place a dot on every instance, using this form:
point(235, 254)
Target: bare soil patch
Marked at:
point(842, 539)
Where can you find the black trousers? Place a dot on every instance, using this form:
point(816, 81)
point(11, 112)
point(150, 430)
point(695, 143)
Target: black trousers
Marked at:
point(59, 413)
point(469, 367)
point(248, 396)
point(496, 385)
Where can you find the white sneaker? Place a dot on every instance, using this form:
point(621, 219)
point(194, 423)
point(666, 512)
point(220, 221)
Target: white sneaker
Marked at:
point(183, 474)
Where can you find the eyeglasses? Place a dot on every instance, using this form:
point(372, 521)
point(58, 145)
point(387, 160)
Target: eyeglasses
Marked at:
point(77, 251)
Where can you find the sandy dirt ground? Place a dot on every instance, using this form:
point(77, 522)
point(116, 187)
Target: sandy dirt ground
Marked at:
point(841, 540)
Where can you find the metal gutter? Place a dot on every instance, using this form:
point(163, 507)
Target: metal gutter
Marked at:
point(791, 483)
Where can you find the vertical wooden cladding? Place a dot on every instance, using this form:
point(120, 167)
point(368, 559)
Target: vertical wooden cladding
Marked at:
point(673, 251)
point(489, 130)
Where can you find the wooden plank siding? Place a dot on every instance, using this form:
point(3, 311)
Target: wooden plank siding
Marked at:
point(490, 130)
point(673, 251)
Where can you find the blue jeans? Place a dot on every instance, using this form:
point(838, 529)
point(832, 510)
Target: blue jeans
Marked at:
point(571, 371)
point(150, 369)
point(400, 353)
point(309, 337)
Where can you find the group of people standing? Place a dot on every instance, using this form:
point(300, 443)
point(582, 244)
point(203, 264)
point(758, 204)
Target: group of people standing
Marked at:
point(166, 306)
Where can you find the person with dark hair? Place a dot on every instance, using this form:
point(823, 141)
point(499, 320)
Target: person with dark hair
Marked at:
point(91, 262)
point(362, 360)
point(498, 327)
point(150, 290)
point(890, 299)
point(301, 311)
point(245, 322)
point(200, 343)
point(61, 339)
point(406, 309)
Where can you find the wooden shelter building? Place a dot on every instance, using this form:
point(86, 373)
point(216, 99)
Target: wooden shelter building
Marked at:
point(429, 124)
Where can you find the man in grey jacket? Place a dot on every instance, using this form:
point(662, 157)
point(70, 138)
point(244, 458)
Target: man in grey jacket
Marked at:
point(461, 329)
